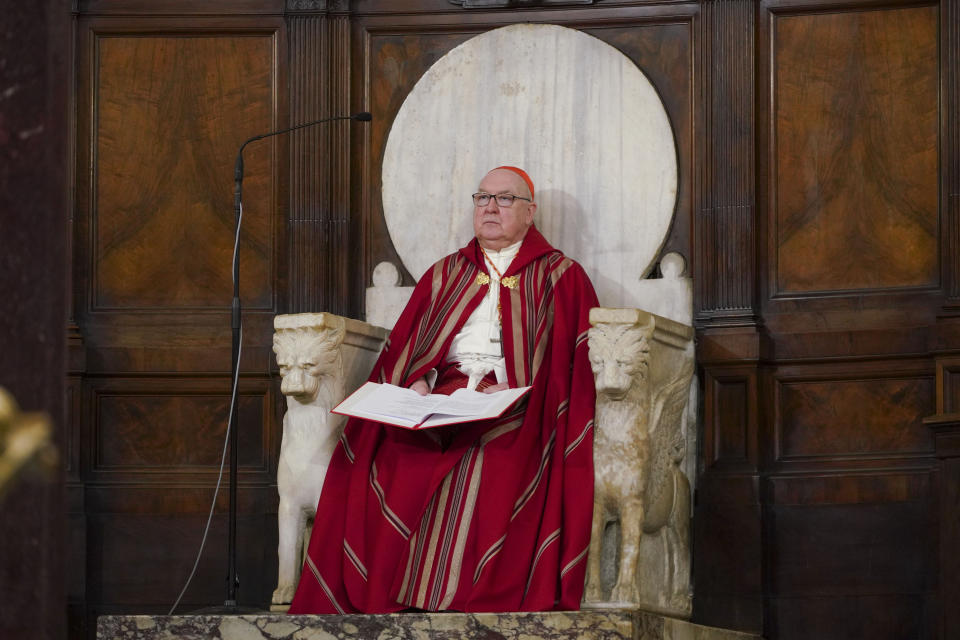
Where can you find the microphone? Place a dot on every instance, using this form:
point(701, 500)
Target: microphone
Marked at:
point(236, 330)
point(363, 116)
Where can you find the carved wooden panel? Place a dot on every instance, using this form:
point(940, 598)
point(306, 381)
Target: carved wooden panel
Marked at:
point(872, 535)
point(733, 405)
point(162, 540)
point(863, 417)
point(855, 124)
point(727, 553)
point(172, 431)
point(729, 419)
point(170, 113)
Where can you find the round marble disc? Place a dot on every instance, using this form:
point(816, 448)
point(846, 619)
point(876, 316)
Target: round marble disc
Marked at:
point(571, 110)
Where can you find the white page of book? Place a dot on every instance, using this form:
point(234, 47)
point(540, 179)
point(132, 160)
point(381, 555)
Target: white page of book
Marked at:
point(406, 404)
point(464, 402)
point(407, 408)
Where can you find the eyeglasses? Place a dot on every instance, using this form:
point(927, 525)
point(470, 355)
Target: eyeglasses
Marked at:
point(503, 199)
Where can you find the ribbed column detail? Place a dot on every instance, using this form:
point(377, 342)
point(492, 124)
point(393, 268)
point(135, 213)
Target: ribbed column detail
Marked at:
point(951, 18)
point(309, 213)
point(342, 259)
point(725, 227)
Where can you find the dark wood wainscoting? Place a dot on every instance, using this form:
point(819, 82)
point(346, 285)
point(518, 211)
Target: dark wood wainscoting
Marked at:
point(816, 509)
point(163, 103)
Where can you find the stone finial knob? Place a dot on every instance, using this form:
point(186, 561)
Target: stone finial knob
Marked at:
point(386, 274)
point(672, 265)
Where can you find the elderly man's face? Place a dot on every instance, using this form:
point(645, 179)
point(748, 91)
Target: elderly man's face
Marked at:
point(498, 227)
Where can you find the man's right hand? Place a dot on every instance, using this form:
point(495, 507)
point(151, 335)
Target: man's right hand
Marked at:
point(421, 386)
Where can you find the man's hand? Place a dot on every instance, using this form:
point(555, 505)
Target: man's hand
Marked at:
point(421, 386)
point(500, 386)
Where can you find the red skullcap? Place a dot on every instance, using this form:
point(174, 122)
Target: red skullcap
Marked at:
point(523, 174)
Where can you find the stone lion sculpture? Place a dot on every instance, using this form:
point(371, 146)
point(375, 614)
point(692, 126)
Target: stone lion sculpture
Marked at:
point(310, 361)
point(639, 445)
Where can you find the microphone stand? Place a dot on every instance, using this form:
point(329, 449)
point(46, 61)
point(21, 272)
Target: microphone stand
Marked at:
point(233, 582)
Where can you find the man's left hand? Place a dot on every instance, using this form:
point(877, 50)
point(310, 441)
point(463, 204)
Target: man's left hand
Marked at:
point(500, 386)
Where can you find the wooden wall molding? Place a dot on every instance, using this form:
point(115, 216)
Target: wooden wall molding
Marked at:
point(317, 6)
point(727, 509)
point(126, 539)
point(948, 385)
point(487, 4)
point(176, 8)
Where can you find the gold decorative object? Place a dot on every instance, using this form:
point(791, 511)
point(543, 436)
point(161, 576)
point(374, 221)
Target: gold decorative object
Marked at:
point(482, 279)
point(25, 443)
point(510, 282)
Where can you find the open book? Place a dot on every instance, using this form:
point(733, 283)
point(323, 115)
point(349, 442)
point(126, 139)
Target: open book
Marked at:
point(406, 408)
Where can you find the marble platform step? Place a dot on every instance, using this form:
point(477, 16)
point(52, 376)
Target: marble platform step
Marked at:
point(580, 625)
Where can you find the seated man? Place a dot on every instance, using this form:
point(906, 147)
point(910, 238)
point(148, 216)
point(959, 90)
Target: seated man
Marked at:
point(492, 515)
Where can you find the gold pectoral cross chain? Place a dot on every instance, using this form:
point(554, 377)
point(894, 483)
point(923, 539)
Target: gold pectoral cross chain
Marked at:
point(510, 282)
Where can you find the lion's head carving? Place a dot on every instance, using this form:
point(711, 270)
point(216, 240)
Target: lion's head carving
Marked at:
point(619, 353)
point(309, 359)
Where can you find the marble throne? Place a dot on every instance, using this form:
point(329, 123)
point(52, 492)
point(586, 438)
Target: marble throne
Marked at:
point(607, 190)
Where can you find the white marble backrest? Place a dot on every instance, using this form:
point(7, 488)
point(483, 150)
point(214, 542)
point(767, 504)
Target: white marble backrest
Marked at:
point(579, 116)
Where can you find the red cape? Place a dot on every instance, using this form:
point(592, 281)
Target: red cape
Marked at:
point(500, 519)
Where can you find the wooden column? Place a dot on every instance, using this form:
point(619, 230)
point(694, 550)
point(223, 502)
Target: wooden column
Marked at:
point(727, 513)
point(945, 424)
point(319, 201)
point(951, 61)
point(725, 234)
